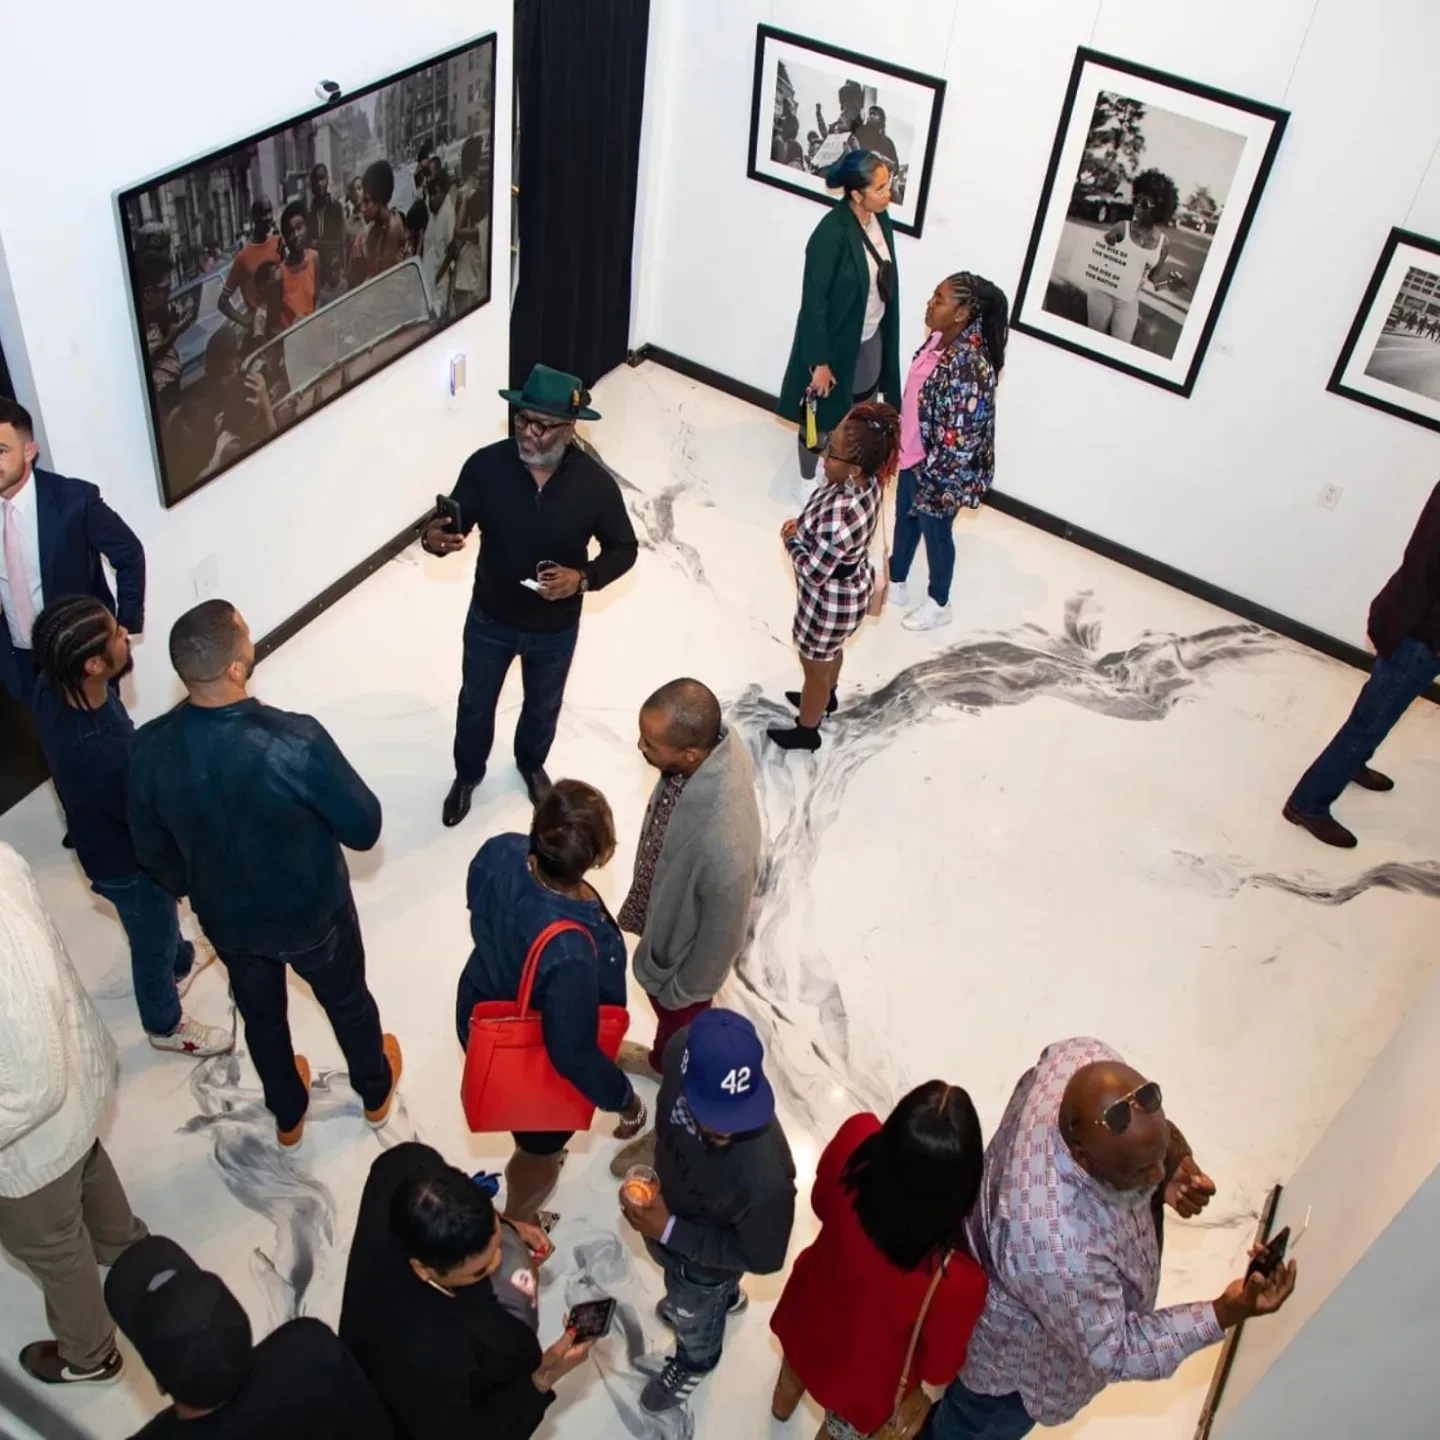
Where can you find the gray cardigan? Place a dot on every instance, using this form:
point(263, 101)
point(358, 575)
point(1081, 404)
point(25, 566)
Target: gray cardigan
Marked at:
point(705, 880)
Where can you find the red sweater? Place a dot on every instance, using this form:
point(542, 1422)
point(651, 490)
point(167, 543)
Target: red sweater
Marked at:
point(845, 1317)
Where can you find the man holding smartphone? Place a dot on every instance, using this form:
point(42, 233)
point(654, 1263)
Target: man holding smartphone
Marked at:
point(538, 501)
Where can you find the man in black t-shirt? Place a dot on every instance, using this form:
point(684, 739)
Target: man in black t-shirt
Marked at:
point(299, 1383)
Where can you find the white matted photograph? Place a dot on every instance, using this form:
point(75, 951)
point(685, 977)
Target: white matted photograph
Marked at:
point(1152, 188)
point(813, 102)
point(1391, 358)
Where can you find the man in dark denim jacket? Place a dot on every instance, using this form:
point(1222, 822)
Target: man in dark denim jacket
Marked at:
point(245, 808)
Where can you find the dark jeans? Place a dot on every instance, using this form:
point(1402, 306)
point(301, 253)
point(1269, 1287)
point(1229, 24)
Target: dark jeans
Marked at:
point(334, 968)
point(939, 537)
point(961, 1414)
point(700, 1304)
point(1386, 696)
point(544, 664)
point(158, 956)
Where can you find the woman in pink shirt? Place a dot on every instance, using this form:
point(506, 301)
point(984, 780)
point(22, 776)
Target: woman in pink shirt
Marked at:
point(947, 434)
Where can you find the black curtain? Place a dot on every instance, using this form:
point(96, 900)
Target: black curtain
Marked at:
point(7, 389)
point(580, 81)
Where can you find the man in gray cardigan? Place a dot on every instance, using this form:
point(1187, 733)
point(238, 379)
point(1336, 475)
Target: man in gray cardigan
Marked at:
point(696, 869)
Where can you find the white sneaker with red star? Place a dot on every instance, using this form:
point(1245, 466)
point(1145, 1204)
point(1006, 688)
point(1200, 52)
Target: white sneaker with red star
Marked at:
point(193, 1038)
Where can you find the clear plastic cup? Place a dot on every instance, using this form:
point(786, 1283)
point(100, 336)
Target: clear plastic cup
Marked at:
point(641, 1185)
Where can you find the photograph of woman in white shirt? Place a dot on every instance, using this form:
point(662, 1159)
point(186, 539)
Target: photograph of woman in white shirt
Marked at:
point(1136, 251)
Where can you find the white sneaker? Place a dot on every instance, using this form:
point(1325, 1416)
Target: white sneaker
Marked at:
point(193, 1038)
point(204, 959)
point(898, 594)
point(928, 616)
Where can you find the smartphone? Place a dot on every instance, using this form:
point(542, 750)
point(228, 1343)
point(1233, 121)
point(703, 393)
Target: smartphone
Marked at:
point(591, 1320)
point(449, 507)
point(1269, 1260)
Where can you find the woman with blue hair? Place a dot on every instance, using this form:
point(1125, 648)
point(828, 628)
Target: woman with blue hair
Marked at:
point(847, 339)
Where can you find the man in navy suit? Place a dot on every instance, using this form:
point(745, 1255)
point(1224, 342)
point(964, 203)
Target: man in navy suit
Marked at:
point(53, 531)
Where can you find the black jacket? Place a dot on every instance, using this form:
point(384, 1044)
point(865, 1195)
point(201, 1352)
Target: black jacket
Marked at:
point(450, 1367)
point(733, 1205)
point(1409, 605)
point(244, 808)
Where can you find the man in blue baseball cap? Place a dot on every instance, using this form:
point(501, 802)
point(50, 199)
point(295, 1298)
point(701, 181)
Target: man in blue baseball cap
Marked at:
point(726, 1201)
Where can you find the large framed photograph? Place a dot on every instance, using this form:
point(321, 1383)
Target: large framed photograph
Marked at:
point(1391, 358)
point(1152, 188)
point(813, 102)
point(270, 277)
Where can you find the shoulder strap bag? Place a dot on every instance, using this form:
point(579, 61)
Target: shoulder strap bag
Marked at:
point(884, 269)
point(912, 1405)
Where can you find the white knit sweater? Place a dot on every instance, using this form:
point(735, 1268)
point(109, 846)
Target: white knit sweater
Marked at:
point(57, 1060)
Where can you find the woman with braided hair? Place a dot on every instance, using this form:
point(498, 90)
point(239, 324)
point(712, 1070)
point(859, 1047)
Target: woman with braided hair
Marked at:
point(829, 547)
point(947, 424)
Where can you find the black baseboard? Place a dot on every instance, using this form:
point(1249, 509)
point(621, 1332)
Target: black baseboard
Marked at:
point(1303, 634)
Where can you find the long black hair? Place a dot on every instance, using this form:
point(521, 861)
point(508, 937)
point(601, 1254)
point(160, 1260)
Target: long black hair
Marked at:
point(991, 308)
point(67, 633)
point(915, 1181)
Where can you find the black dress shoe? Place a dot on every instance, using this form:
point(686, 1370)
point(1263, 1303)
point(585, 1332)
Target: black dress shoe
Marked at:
point(1368, 779)
point(795, 737)
point(793, 696)
point(1322, 827)
point(457, 803)
point(537, 784)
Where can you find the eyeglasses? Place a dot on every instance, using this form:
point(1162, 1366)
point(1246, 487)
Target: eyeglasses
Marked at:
point(1144, 1098)
point(537, 425)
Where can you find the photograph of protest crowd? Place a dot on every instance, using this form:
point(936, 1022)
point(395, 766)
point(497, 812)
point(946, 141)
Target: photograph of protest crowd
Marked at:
point(273, 276)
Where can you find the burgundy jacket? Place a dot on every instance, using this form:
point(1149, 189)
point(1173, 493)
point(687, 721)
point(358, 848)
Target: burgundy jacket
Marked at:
point(1409, 605)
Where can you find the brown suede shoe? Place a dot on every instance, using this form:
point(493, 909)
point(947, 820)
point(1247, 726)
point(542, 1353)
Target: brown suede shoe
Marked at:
point(42, 1361)
point(1368, 779)
point(1322, 827)
point(391, 1046)
point(289, 1139)
point(640, 1151)
point(634, 1059)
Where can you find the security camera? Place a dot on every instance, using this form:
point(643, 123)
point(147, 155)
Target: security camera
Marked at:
point(328, 91)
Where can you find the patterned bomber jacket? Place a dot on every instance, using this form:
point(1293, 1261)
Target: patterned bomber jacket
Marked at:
point(957, 425)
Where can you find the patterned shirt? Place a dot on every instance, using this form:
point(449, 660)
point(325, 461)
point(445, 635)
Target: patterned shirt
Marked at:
point(1074, 1265)
point(636, 908)
point(957, 428)
point(835, 530)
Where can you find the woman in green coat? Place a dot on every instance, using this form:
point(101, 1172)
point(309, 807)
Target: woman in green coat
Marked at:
point(847, 339)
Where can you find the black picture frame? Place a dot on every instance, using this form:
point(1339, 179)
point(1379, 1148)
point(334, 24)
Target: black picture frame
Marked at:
point(1266, 124)
point(175, 486)
point(1361, 382)
point(907, 217)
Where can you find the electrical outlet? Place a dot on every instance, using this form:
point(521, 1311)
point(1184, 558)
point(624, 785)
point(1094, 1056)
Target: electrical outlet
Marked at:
point(1330, 495)
point(205, 577)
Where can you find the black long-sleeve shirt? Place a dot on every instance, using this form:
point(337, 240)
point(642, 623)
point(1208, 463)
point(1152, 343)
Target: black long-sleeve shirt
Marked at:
point(522, 523)
point(1409, 605)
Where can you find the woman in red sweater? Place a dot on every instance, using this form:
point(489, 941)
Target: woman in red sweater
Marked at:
point(892, 1201)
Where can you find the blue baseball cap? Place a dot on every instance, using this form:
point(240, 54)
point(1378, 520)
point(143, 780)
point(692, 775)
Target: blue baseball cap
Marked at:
point(722, 1074)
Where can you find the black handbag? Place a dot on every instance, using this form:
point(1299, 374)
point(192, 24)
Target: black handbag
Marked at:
point(884, 269)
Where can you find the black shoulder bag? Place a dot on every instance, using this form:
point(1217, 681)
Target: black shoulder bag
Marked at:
point(884, 269)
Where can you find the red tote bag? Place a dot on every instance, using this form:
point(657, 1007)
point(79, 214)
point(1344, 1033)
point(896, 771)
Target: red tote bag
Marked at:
point(510, 1082)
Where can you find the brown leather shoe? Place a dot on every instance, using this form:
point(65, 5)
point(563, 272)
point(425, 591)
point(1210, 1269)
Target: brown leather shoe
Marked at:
point(1368, 779)
point(391, 1046)
point(1322, 827)
point(289, 1139)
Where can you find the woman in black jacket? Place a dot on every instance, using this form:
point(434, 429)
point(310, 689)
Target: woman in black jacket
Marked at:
point(423, 1312)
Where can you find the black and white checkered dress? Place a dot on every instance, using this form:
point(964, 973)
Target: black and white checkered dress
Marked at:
point(833, 574)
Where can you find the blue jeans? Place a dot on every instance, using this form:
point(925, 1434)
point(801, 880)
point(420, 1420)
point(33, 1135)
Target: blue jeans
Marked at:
point(544, 665)
point(1386, 696)
point(961, 1414)
point(158, 956)
point(700, 1304)
point(939, 537)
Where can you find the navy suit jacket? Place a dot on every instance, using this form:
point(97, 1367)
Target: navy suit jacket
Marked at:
point(76, 528)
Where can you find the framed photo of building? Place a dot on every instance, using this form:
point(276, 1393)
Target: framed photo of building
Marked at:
point(277, 273)
point(813, 102)
point(1152, 188)
point(1391, 358)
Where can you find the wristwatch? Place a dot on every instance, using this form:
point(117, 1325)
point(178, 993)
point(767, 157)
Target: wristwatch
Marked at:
point(584, 580)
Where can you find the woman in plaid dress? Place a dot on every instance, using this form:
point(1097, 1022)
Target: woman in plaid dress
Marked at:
point(829, 547)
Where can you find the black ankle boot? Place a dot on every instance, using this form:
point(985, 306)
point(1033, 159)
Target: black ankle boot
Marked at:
point(793, 696)
point(795, 737)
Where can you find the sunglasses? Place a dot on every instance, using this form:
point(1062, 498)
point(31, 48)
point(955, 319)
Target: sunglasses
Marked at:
point(1145, 1098)
point(538, 426)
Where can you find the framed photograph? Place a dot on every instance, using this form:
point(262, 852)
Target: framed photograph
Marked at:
point(1391, 358)
point(269, 277)
point(813, 102)
point(1152, 188)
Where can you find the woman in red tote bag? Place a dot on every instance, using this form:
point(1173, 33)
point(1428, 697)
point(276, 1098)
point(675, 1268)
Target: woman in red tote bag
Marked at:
point(518, 886)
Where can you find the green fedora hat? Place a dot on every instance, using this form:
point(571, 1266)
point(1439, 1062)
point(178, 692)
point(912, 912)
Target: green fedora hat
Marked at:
point(553, 392)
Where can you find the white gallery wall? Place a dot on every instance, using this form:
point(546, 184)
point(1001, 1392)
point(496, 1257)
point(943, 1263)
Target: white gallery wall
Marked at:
point(1223, 485)
point(97, 97)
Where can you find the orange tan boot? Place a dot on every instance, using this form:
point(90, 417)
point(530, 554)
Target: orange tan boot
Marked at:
point(391, 1046)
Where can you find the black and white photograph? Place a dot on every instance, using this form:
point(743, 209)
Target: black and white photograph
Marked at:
point(1391, 358)
point(812, 103)
point(273, 276)
point(1152, 187)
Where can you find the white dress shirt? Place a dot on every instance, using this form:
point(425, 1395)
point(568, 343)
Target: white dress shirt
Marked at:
point(874, 305)
point(29, 521)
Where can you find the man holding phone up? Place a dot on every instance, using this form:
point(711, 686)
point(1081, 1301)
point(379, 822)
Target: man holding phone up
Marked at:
point(538, 501)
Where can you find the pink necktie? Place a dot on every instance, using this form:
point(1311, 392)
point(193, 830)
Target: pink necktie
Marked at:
point(16, 574)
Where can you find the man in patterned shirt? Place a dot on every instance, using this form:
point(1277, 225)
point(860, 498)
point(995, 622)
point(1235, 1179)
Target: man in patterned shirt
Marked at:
point(1069, 1230)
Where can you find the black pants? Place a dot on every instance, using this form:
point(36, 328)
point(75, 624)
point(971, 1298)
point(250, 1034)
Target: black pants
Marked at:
point(334, 968)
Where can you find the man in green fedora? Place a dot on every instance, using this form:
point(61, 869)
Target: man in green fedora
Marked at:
point(538, 501)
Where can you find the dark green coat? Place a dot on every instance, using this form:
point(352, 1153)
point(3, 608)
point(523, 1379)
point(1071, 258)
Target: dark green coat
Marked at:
point(832, 315)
